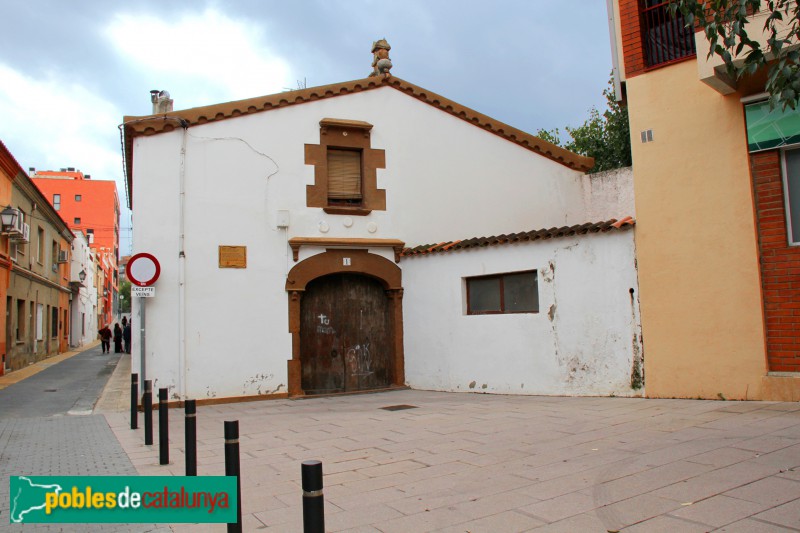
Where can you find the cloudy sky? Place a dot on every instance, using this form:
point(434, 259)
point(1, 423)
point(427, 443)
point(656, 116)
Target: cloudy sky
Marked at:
point(69, 70)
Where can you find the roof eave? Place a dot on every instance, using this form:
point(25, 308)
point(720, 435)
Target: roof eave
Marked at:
point(134, 126)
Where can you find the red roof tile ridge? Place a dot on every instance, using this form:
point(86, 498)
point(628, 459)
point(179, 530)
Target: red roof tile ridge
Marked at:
point(625, 220)
point(512, 238)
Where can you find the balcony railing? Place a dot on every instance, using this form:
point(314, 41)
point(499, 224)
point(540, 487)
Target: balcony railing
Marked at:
point(665, 38)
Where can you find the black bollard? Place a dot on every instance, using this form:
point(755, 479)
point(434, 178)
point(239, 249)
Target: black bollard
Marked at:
point(313, 502)
point(163, 427)
point(147, 403)
point(134, 401)
point(232, 469)
point(191, 437)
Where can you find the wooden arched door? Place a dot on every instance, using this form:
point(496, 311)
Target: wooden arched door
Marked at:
point(345, 335)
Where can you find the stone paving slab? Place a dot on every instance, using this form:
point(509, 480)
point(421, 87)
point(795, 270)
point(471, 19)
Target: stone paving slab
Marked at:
point(475, 462)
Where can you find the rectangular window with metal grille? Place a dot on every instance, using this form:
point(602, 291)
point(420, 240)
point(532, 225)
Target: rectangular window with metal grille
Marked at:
point(344, 177)
point(665, 37)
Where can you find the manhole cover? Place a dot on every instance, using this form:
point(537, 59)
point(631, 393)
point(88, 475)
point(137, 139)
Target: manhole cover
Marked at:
point(51, 390)
point(398, 407)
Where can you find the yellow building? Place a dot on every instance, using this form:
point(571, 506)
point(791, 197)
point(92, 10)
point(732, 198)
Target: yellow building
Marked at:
point(718, 265)
point(34, 270)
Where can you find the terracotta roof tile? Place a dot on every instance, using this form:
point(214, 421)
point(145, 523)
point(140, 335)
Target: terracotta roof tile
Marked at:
point(153, 124)
point(534, 235)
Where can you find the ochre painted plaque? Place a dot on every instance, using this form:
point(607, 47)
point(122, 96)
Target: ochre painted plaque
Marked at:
point(233, 257)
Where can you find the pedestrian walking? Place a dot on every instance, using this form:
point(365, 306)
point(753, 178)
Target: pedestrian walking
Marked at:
point(126, 336)
point(105, 339)
point(117, 338)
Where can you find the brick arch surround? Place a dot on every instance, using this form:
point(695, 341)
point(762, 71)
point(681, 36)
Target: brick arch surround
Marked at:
point(362, 262)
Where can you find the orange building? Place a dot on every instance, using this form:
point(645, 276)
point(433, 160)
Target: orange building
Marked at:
point(91, 206)
point(720, 300)
point(8, 169)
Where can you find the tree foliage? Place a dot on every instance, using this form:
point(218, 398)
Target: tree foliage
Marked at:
point(604, 136)
point(125, 297)
point(725, 24)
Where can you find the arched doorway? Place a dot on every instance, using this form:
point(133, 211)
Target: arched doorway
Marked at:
point(345, 335)
point(359, 296)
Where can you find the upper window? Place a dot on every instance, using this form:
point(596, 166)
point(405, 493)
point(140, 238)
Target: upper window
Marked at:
point(40, 245)
point(77, 197)
point(76, 220)
point(57, 202)
point(54, 256)
point(665, 38)
point(344, 177)
point(515, 292)
point(345, 173)
point(792, 193)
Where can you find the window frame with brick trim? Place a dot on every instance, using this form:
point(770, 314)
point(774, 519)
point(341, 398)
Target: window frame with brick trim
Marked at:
point(790, 176)
point(779, 260)
point(338, 136)
point(663, 35)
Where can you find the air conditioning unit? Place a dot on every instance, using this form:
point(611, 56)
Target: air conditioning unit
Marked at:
point(24, 236)
point(16, 229)
point(62, 256)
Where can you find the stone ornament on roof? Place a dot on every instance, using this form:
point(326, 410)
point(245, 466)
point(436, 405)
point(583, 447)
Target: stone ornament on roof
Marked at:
point(381, 64)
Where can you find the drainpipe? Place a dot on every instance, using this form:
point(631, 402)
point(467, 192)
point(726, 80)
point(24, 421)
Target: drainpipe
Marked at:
point(182, 355)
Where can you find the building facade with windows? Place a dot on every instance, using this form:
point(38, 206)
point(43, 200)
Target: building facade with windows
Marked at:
point(372, 234)
point(83, 308)
point(38, 294)
point(92, 207)
point(717, 202)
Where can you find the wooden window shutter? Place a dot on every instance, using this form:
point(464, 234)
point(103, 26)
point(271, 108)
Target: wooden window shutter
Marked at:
point(344, 175)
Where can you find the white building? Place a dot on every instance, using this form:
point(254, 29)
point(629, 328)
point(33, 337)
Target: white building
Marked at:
point(293, 236)
point(83, 307)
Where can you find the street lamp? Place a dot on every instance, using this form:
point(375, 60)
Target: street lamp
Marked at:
point(82, 275)
point(9, 217)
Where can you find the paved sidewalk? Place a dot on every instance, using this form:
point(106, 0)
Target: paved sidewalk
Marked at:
point(47, 428)
point(475, 463)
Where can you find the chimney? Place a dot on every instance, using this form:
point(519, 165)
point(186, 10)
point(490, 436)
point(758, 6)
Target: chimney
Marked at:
point(161, 101)
point(32, 171)
point(87, 176)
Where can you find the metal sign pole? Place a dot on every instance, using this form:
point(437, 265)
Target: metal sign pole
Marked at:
point(143, 270)
point(143, 303)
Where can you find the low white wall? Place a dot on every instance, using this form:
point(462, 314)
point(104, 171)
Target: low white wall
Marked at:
point(608, 195)
point(584, 340)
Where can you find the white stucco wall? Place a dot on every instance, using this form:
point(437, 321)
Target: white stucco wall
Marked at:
point(83, 308)
point(583, 341)
point(444, 179)
point(608, 195)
